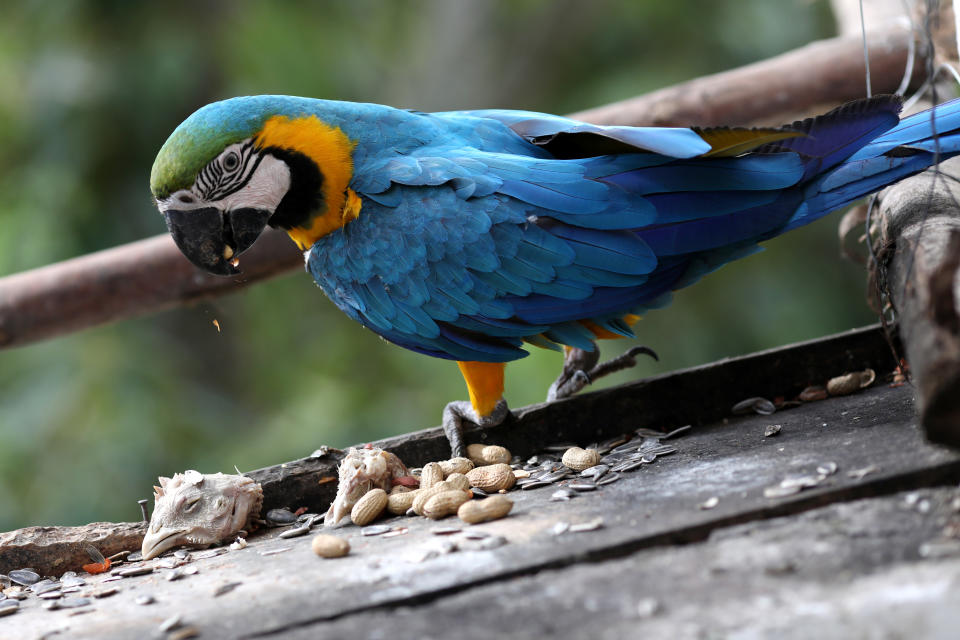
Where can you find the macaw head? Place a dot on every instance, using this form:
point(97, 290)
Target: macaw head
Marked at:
point(236, 166)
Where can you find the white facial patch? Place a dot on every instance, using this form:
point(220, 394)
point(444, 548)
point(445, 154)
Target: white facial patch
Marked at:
point(265, 189)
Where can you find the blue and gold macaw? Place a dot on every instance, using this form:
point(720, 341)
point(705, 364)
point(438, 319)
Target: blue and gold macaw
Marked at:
point(466, 234)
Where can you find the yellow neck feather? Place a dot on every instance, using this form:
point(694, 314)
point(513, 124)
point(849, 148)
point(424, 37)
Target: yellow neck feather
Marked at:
point(331, 150)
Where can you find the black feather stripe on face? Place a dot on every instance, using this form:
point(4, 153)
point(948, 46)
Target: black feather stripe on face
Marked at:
point(215, 182)
point(304, 198)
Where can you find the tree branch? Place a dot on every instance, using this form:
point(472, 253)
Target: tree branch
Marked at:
point(151, 275)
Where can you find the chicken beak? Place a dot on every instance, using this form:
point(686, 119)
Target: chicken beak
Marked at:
point(156, 542)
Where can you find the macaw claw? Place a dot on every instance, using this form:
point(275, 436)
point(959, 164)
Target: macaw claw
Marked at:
point(456, 412)
point(581, 368)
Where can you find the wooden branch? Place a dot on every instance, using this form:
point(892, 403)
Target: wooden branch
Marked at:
point(151, 275)
point(920, 222)
point(791, 85)
point(124, 282)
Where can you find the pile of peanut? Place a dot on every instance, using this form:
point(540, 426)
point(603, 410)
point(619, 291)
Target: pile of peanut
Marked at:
point(445, 489)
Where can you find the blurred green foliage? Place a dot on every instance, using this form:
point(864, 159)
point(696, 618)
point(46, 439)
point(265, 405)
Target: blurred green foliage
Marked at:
point(92, 89)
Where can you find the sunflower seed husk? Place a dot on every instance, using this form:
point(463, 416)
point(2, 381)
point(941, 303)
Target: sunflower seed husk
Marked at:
point(170, 623)
point(68, 603)
point(144, 600)
point(475, 534)
point(827, 468)
point(26, 577)
point(583, 486)
point(295, 532)
point(488, 544)
point(757, 405)
point(375, 530)
point(445, 531)
point(184, 634)
point(134, 571)
point(596, 471)
point(280, 517)
point(857, 474)
point(778, 491)
point(710, 503)
point(677, 432)
point(591, 525)
point(536, 484)
point(45, 585)
point(562, 495)
point(9, 606)
point(804, 482)
point(555, 476)
point(72, 581)
point(608, 445)
point(609, 478)
point(273, 552)
point(772, 430)
point(628, 447)
point(225, 588)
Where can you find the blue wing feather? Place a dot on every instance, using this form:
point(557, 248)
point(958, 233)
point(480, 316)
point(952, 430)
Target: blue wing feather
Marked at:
point(483, 230)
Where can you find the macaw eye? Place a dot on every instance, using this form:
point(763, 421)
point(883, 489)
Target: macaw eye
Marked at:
point(185, 199)
point(231, 161)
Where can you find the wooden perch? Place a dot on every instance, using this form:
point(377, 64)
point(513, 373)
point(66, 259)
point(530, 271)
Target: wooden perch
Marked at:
point(123, 282)
point(920, 226)
point(151, 275)
point(818, 76)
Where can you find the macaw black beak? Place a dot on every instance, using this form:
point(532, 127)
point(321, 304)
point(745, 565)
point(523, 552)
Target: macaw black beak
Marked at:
point(212, 239)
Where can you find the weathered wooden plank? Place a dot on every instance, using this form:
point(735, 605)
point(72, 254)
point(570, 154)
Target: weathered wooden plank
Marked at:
point(692, 396)
point(850, 570)
point(659, 504)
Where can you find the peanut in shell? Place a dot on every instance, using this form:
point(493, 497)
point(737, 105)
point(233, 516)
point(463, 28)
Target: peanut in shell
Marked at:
point(491, 508)
point(492, 477)
point(488, 454)
point(369, 507)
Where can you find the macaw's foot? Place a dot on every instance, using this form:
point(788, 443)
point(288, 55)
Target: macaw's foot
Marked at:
point(456, 412)
point(580, 368)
